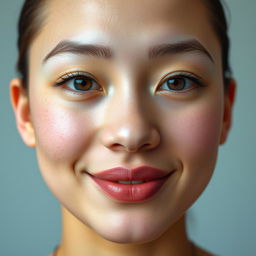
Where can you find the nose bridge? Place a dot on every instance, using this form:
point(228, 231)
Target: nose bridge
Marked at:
point(128, 106)
point(126, 109)
point(128, 125)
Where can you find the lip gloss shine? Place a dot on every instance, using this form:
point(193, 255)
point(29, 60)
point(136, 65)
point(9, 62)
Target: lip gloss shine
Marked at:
point(131, 185)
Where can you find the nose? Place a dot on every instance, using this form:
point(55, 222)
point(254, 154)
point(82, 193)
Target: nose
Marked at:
point(129, 127)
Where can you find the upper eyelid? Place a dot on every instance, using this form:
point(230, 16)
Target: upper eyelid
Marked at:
point(180, 74)
point(188, 75)
point(71, 75)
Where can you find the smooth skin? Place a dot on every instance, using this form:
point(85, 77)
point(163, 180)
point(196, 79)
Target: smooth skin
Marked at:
point(126, 108)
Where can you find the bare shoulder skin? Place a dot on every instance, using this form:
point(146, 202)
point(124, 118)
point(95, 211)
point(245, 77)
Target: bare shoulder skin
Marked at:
point(201, 252)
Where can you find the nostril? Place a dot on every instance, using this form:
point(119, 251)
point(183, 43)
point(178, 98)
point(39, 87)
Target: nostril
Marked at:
point(131, 149)
point(146, 146)
point(130, 138)
point(116, 147)
point(121, 147)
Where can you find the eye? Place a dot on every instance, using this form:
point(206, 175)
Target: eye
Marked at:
point(78, 82)
point(181, 82)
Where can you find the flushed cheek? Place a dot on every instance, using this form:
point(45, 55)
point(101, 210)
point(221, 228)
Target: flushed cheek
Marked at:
point(62, 133)
point(195, 134)
point(193, 138)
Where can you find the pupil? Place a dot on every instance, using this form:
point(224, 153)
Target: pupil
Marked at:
point(176, 84)
point(82, 84)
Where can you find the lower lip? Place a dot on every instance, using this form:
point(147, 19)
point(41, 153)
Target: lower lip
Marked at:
point(131, 192)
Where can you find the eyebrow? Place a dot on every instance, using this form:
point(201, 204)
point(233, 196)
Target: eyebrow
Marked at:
point(66, 46)
point(179, 47)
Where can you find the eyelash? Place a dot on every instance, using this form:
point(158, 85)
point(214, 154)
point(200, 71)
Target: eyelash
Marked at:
point(181, 75)
point(67, 77)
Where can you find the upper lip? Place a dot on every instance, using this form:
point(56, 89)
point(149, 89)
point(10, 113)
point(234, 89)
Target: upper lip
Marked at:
point(145, 173)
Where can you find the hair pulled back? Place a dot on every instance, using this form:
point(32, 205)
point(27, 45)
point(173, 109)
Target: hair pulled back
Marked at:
point(32, 18)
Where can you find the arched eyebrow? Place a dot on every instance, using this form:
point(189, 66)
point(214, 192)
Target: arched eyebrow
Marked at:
point(67, 46)
point(179, 48)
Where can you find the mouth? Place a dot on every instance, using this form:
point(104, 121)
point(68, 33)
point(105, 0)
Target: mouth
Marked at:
point(131, 185)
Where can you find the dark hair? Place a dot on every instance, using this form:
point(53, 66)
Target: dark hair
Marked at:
point(29, 25)
point(32, 18)
point(220, 26)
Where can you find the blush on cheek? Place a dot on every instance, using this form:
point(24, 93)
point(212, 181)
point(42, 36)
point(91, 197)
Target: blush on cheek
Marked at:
point(196, 131)
point(61, 133)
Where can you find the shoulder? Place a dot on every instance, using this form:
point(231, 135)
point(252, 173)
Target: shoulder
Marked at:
point(54, 252)
point(202, 252)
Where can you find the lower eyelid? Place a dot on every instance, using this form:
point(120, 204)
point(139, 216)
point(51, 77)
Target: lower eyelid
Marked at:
point(80, 95)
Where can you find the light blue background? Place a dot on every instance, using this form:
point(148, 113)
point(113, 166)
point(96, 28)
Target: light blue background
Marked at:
point(222, 220)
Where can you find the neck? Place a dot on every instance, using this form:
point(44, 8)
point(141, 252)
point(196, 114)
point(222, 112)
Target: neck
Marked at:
point(80, 240)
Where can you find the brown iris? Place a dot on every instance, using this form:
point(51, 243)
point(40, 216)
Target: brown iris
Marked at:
point(176, 84)
point(82, 83)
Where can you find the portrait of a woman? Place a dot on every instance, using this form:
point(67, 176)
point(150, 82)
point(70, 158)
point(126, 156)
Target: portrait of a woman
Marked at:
point(126, 104)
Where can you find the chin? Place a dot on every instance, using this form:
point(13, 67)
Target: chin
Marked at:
point(132, 231)
point(128, 238)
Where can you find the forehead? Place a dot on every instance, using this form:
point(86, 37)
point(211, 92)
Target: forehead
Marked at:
point(135, 11)
point(125, 24)
point(126, 17)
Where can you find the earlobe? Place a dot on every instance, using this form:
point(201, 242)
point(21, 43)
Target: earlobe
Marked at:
point(229, 98)
point(20, 104)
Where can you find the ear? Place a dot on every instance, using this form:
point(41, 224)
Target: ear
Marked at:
point(229, 98)
point(20, 104)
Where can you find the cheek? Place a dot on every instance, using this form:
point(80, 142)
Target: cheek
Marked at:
point(61, 133)
point(200, 130)
point(193, 140)
point(195, 133)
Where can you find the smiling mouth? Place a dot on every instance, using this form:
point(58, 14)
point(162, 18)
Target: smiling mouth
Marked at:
point(131, 185)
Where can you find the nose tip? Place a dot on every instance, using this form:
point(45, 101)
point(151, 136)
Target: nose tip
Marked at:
point(129, 123)
point(131, 139)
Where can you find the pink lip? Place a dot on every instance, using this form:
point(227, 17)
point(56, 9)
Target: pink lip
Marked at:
point(154, 180)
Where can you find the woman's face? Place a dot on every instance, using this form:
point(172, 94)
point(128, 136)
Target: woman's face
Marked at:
point(126, 84)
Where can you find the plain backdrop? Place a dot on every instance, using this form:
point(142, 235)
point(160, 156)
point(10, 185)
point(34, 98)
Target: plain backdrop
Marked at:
point(222, 220)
